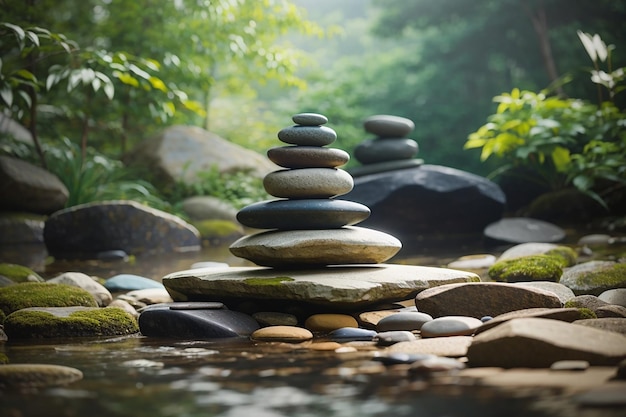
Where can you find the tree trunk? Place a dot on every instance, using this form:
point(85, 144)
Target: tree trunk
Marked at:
point(540, 23)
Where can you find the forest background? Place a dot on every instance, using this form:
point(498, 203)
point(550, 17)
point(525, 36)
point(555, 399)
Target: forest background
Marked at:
point(109, 73)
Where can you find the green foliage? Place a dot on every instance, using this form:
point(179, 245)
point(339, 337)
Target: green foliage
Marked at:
point(563, 142)
point(93, 177)
point(237, 188)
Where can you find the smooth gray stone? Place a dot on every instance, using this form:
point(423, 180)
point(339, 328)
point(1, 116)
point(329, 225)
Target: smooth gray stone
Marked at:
point(394, 336)
point(309, 119)
point(450, 326)
point(308, 183)
point(383, 150)
point(308, 157)
point(384, 125)
point(130, 282)
point(403, 321)
point(347, 334)
point(200, 324)
point(523, 230)
point(308, 135)
point(302, 214)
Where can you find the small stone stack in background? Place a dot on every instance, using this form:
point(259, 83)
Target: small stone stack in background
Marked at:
point(391, 148)
point(311, 227)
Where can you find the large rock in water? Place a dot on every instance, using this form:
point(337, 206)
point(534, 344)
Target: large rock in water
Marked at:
point(26, 187)
point(85, 230)
point(179, 153)
point(342, 287)
point(427, 202)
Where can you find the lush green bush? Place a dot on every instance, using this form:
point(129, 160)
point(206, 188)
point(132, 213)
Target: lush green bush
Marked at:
point(93, 177)
point(560, 142)
point(237, 188)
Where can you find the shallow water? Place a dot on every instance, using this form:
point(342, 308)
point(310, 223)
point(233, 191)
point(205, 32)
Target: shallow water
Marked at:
point(139, 376)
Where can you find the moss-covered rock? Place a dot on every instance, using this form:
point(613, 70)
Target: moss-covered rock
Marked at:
point(565, 254)
point(527, 268)
point(586, 313)
point(218, 231)
point(36, 323)
point(4, 359)
point(41, 294)
point(19, 273)
point(595, 277)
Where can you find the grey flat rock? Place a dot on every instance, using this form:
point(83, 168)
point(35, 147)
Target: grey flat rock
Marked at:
point(343, 286)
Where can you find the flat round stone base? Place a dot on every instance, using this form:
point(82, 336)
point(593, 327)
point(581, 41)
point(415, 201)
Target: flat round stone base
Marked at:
point(345, 287)
point(302, 248)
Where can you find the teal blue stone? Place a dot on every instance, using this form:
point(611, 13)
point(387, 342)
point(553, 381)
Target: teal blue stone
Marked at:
point(303, 214)
point(308, 135)
point(130, 282)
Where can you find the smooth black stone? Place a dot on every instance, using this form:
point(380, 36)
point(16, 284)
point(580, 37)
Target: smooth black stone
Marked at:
point(346, 334)
point(383, 150)
point(305, 214)
point(162, 321)
point(385, 125)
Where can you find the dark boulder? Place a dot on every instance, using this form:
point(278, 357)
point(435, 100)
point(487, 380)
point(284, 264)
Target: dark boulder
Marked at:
point(84, 231)
point(28, 188)
point(428, 202)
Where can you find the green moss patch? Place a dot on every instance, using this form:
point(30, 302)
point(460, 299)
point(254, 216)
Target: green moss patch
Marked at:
point(216, 228)
point(586, 313)
point(37, 324)
point(19, 273)
point(527, 268)
point(267, 281)
point(606, 278)
point(41, 294)
point(565, 254)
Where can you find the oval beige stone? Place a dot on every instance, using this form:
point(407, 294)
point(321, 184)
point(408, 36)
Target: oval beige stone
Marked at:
point(37, 375)
point(308, 157)
point(329, 322)
point(347, 245)
point(308, 183)
point(290, 334)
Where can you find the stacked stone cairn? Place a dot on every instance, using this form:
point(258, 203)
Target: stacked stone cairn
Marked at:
point(309, 226)
point(390, 149)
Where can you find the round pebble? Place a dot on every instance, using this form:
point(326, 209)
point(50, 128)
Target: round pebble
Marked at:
point(403, 321)
point(450, 326)
point(394, 336)
point(307, 135)
point(291, 334)
point(325, 346)
point(34, 375)
point(328, 322)
point(485, 319)
point(569, 365)
point(399, 358)
point(302, 214)
point(308, 157)
point(349, 334)
point(435, 364)
point(308, 183)
point(309, 119)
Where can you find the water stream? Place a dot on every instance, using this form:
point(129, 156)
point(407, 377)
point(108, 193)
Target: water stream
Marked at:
point(138, 376)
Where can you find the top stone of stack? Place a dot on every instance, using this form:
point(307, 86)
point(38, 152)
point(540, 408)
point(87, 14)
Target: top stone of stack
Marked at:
point(387, 126)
